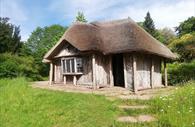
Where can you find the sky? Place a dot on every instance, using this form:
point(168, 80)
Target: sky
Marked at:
point(29, 14)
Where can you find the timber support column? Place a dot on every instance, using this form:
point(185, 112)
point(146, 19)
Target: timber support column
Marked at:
point(134, 74)
point(152, 74)
point(51, 74)
point(165, 73)
point(94, 71)
point(75, 80)
point(64, 78)
point(125, 70)
point(111, 75)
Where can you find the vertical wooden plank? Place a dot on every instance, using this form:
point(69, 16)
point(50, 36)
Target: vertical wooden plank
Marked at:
point(51, 74)
point(94, 71)
point(111, 75)
point(152, 74)
point(165, 73)
point(55, 72)
point(134, 73)
point(74, 80)
point(64, 77)
point(75, 65)
point(125, 70)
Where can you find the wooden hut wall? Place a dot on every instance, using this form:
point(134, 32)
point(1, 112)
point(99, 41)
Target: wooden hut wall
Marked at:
point(102, 69)
point(128, 62)
point(86, 77)
point(57, 71)
point(143, 71)
point(157, 76)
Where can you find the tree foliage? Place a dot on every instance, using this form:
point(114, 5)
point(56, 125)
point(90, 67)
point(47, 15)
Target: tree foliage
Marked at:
point(184, 46)
point(148, 25)
point(9, 36)
point(187, 26)
point(80, 17)
point(181, 72)
point(13, 66)
point(167, 35)
point(39, 42)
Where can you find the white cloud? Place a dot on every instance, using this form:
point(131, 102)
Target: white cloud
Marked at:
point(168, 13)
point(163, 14)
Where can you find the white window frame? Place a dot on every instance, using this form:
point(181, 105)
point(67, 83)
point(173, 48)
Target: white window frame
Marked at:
point(75, 65)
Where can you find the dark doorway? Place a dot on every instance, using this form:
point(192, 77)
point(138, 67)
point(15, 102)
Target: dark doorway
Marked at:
point(118, 71)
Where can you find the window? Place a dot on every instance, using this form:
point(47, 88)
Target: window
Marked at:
point(72, 65)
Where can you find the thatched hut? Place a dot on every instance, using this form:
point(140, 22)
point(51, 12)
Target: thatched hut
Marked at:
point(107, 54)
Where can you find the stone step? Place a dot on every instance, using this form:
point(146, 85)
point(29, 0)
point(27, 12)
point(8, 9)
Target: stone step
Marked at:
point(135, 119)
point(133, 106)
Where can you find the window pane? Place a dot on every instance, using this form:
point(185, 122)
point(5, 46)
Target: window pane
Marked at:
point(68, 65)
point(63, 62)
point(79, 65)
point(73, 67)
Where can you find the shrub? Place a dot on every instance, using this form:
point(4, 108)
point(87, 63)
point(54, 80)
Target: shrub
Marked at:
point(184, 46)
point(13, 66)
point(181, 72)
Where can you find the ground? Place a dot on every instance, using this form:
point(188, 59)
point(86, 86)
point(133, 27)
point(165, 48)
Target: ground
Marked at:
point(110, 93)
point(22, 105)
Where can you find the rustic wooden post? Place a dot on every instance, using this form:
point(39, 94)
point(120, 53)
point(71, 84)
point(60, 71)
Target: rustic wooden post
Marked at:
point(111, 75)
point(125, 71)
point(64, 79)
point(94, 71)
point(134, 74)
point(51, 74)
point(74, 80)
point(55, 73)
point(152, 74)
point(165, 73)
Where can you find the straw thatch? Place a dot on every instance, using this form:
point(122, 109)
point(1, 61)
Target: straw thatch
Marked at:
point(118, 36)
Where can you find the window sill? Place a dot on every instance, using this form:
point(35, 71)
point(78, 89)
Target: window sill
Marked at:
point(72, 73)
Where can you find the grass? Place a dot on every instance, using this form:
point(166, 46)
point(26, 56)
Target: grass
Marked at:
point(22, 106)
point(175, 110)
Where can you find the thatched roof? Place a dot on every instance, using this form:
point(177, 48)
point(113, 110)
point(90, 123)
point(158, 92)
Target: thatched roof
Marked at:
point(118, 36)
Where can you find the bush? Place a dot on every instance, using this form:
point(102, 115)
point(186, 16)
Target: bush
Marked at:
point(181, 72)
point(184, 46)
point(13, 66)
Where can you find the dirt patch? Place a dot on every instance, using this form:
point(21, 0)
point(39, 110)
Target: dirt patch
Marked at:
point(109, 92)
point(140, 118)
point(133, 107)
point(127, 119)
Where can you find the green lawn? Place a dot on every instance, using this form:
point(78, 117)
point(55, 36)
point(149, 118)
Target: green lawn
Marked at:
point(23, 106)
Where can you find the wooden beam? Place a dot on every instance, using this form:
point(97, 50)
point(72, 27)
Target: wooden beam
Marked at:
point(111, 75)
point(152, 74)
point(125, 71)
point(74, 80)
point(165, 73)
point(64, 77)
point(51, 74)
point(134, 74)
point(55, 73)
point(94, 71)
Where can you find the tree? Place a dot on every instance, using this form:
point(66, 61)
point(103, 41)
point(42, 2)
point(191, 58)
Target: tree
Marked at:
point(140, 24)
point(167, 35)
point(187, 26)
point(80, 17)
point(148, 25)
point(40, 41)
point(184, 46)
point(9, 36)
